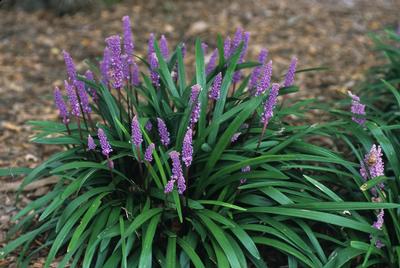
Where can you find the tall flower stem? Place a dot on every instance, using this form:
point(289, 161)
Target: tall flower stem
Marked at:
point(120, 105)
point(81, 108)
point(79, 128)
point(140, 161)
point(262, 134)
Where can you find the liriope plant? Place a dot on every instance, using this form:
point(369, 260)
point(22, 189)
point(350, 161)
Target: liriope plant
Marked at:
point(370, 133)
point(159, 170)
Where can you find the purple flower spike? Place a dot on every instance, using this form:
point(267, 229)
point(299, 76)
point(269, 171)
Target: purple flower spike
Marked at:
point(62, 107)
point(289, 79)
point(126, 67)
point(137, 138)
point(216, 87)
point(148, 155)
point(91, 144)
point(245, 169)
point(177, 173)
point(148, 126)
point(80, 86)
point(227, 47)
point(73, 99)
point(105, 66)
point(373, 165)
point(92, 92)
point(155, 78)
point(169, 186)
point(238, 37)
point(270, 104)
point(212, 62)
point(164, 47)
point(265, 80)
point(150, 49)
point(163, 132)
point(204, 47)
point(379, 220)
point(105, 145)
point(194, 93)
point(117, 76)
point(69, 63)
point(255, 75)
point(128, 39)
point(238, 74)
point(187, 148)
point(195, 114)
point(358, 110)
point(135, 75)
point(235, 137)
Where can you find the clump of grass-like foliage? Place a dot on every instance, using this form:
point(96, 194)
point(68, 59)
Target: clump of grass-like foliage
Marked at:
point(159, 170)
point(376, 121)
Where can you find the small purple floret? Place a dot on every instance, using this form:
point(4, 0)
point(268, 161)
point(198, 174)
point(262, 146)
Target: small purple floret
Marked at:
point(265, 79)
point(358, 109)
point(128, 39)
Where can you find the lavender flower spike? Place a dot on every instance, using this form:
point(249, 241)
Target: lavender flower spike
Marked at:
point(373, 165)
point(379, 220)
point(92, 92)
point(187, 148)
point(128, 39)
point(163, 132)
point(117, 76)
point(238, 37)
point(195, 114)
point(204, 47)
point(270, 104)
point(105, 145)
point(155, 78)
point(216, 87)
point(265, 80)
point(105, 66)
point(80, 86)
point(137, 138)
point(69, 63)
point(91, 144)
point(62, 107)
point(177, 173)
point(227, 47)
point(194, 93)
point(289, 79)
point(148, 155)
point(255, 75)
point(73, 99)
point(164, 47)
point(135, 75)
point(358, 109)
point(150, 49)
point(212, 62)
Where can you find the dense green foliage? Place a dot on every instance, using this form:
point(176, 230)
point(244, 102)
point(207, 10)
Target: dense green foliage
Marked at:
point(301, 203)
